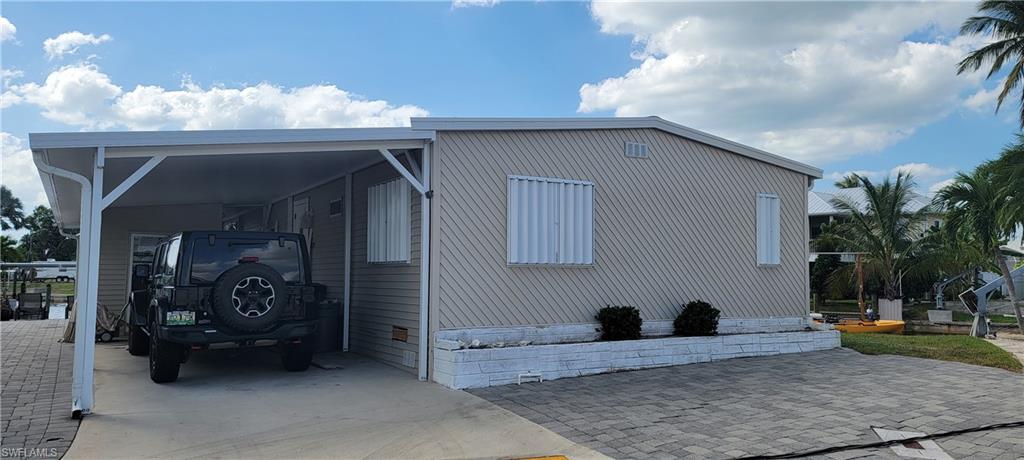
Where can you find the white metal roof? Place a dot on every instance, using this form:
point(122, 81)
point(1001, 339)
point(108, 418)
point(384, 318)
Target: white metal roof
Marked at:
point(820, 203)
point(519, 124)
point(114, 139)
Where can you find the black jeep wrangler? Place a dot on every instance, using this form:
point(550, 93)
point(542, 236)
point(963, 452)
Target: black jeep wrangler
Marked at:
point(218, 288)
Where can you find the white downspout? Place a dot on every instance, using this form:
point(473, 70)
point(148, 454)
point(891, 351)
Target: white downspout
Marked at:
point(424, 331)
point(81, 395)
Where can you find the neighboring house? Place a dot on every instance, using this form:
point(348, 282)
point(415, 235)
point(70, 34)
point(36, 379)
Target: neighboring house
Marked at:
point(532, 224)
point(821, 210)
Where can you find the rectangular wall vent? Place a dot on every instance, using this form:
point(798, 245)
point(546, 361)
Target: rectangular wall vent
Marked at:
point(636, 150)
point(409, 358)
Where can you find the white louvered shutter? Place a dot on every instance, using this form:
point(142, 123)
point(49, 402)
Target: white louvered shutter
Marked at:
point(388, 222)
point(550, 221)
point(769, 237)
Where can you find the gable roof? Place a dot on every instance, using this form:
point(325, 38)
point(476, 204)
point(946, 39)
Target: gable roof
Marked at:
point(520, 124)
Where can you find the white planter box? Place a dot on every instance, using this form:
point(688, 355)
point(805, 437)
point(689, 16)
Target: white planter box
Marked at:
point(940, 316)
point(477, 368)
point(890, 309)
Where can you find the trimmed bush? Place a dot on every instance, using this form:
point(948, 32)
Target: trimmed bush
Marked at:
point(697, 319)
point(619, 323)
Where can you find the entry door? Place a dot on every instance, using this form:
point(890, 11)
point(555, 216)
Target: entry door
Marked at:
point(143, 248)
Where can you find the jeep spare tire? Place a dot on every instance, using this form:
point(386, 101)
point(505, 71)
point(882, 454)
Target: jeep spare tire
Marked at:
point(250, 297)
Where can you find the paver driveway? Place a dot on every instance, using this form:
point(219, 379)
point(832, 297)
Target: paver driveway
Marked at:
point(776, 405)
point(35, 398)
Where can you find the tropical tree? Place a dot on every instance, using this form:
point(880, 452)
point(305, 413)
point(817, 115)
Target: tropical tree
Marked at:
point(1003, 22)
point(9, 251)
point(1008, 174)
point(975, 206)
point(848, 181)
point(44, 240)
point(883, 230)
point(11, 213)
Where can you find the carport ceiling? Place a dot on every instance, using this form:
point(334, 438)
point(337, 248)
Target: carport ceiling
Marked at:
point(230, 179)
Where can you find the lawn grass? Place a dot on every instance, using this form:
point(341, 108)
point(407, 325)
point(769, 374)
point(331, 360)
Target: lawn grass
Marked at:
point(59, 289)
point(957, 348)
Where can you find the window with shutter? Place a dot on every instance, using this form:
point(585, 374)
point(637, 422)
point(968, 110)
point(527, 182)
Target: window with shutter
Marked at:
point(388, 220)
point(550, 221)
point(768, 229)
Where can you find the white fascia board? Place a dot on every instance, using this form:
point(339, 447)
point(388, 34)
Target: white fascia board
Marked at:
point(431, 124)
point(114, 139)
point(48, 187)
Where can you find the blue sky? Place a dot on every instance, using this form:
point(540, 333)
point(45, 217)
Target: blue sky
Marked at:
point(850, 87)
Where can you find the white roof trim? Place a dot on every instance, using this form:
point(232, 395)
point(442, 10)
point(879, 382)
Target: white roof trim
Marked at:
point(519, 124)
point(114, 139)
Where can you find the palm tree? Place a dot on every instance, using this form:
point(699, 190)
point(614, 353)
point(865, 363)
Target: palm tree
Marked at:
point(974, 205)
point(1008, 173)
point(9, 249)
point(1003, 21)
point(12, 215)
point(883, 230)
point(848, 181)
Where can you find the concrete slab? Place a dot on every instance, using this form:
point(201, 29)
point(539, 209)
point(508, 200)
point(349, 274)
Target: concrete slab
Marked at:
point(242, 404)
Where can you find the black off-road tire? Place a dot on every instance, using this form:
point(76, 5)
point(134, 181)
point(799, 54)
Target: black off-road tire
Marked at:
point(296, 357)
point(250, 297)
point(138, 341)
point(164, 358)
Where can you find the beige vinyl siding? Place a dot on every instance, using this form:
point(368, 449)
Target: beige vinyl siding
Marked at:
point(327, 242)
point(675, 227)
point(383, 295)
point(115, 241)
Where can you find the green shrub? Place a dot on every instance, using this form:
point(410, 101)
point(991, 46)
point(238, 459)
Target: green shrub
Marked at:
point(698, 318)
point(619, 323)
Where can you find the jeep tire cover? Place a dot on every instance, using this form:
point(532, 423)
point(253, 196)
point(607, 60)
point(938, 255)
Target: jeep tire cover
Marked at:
point(250, 297)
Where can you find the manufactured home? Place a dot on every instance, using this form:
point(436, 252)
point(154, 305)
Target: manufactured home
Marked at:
point(460, 248)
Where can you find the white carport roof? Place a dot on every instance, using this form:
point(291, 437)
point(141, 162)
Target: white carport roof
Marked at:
point(203, 166)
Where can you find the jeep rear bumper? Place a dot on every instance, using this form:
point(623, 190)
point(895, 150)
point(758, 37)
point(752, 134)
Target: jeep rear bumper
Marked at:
point(207, 335)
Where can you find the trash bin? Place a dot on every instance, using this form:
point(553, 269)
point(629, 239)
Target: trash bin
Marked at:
point(328, 326)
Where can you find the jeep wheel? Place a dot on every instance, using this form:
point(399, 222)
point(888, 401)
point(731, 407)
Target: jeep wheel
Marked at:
point(164, 358)
point(296, 357)
point(138, 341)
point(250, 297)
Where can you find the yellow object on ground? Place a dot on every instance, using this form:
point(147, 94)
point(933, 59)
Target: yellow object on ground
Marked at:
point(881, 326)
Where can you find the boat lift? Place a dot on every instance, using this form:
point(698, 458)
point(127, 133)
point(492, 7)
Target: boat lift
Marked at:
point(941, 285)
point(976, 301)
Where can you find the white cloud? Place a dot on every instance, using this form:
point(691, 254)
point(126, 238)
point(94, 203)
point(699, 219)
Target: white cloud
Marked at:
point(818, 82)
point(7, 29)
point(472, 3)
point(18, 172)
point(984, 100)
point(926, 175)
point(8, 75)
point(82, 95)
point(69, 42)
point(939, 186)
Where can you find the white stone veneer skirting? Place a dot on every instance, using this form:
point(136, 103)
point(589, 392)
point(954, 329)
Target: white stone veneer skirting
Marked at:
point(484, 367)
point(589, 332)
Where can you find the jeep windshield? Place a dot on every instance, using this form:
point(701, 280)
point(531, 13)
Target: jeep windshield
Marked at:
point(209, 261)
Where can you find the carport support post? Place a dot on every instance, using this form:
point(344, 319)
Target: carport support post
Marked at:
point(424, 332)
point(346, 302)
point(85, 335)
